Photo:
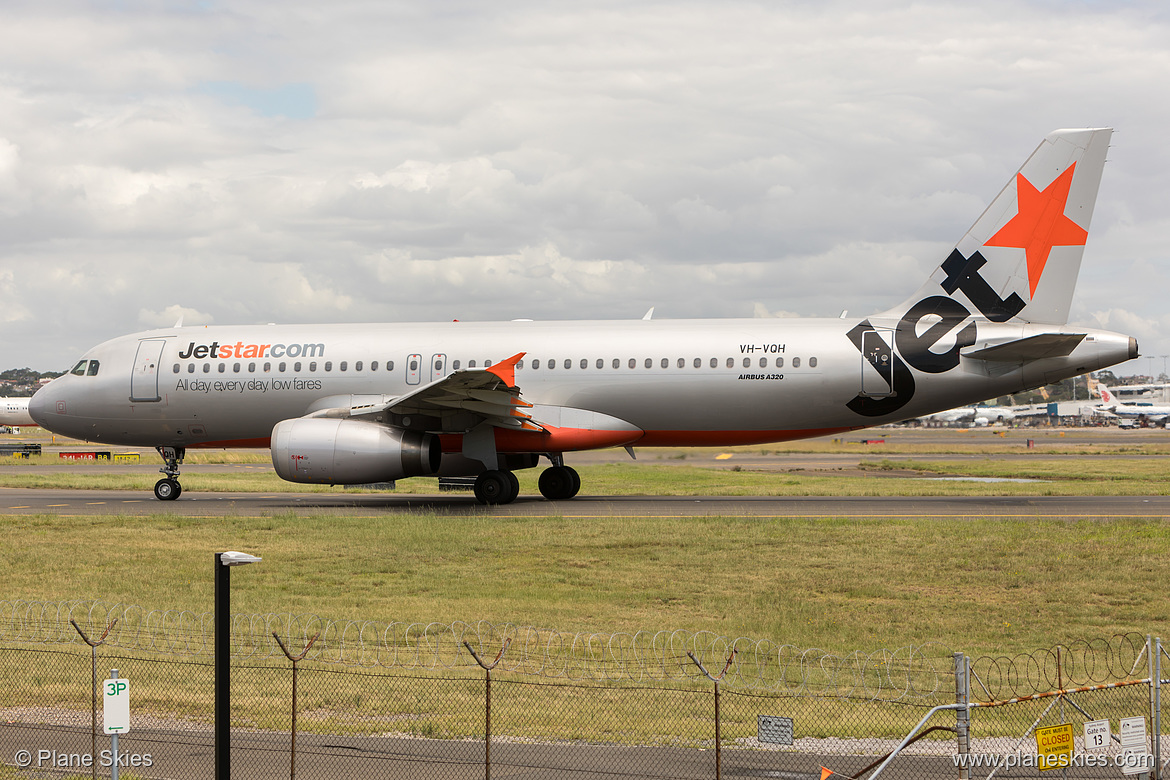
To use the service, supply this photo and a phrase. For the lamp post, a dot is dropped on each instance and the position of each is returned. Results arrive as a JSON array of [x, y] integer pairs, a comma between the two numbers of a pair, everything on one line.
[[223, 647]]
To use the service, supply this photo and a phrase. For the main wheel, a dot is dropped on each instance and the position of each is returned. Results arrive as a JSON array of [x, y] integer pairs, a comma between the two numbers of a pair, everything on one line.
[[558, 483], [167, 489], [496, 487]]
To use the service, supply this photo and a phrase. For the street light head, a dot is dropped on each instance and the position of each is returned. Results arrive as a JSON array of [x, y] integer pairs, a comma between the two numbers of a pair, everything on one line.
[[233, 558]]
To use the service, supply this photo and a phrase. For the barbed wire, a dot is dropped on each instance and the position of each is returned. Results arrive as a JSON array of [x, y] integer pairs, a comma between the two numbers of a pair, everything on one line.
[[1078, 663], [916, 673]]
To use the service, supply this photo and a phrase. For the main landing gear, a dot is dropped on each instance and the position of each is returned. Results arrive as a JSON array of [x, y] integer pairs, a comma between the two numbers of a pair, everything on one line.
[[559, 483], [499, 486], [168, 488], [496, 487]]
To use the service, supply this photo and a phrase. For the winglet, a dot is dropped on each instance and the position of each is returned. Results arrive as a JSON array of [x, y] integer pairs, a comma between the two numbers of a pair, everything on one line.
[[506, 369]]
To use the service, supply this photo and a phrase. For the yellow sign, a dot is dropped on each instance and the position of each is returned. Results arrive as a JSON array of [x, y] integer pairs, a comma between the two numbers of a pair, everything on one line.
[[1054, 746]]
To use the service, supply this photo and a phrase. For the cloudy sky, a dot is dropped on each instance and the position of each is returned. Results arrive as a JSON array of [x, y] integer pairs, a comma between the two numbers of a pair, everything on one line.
[[366, 160]]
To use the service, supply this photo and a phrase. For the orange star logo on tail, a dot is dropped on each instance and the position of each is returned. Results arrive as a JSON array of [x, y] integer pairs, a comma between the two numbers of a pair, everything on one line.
[[1040, 224]]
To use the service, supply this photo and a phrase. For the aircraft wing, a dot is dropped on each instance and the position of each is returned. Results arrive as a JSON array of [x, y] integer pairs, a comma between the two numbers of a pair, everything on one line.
[[456, 403]]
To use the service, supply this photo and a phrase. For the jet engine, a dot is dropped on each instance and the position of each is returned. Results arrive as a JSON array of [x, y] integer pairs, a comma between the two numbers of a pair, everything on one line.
[[350, 452]]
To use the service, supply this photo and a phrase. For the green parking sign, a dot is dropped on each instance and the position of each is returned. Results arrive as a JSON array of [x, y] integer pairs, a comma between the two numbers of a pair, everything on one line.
[[116, 705]]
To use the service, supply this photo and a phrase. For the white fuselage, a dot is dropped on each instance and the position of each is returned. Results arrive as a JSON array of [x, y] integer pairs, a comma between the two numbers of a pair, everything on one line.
[[14, 411], [678, 382]]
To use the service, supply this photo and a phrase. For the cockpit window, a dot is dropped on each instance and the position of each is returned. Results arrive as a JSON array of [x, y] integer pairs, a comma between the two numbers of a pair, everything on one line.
[[93, 368], [79, 369]]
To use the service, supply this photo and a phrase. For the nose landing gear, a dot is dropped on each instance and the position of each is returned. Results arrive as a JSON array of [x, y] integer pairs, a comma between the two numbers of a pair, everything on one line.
[[168, 488]]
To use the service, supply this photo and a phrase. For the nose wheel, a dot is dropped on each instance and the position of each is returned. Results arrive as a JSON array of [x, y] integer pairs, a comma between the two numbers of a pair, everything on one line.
[[168, 488]]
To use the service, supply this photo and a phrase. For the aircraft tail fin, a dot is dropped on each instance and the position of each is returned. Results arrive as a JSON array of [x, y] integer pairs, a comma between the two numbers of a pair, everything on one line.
[[1107, 396], [1021, 258]]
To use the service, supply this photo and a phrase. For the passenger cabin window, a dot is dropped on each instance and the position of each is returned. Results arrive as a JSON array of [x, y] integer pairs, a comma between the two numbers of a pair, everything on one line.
[[812, 362], [176, 368], [779, 362], [267, 367], [471, 364], [343, 365], [297, 367], [328, 365], [373, 365], [190, 368], [235, 368], [796, 362], [649, 362], [455, 365]]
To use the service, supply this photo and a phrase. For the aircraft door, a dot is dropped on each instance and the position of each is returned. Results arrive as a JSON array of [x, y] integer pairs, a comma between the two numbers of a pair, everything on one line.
[[413, 369], [877, 368], [144, 379], [438, 367]]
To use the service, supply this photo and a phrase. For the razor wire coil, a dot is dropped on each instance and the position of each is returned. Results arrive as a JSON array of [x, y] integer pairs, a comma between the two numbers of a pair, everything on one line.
[[915, 673]]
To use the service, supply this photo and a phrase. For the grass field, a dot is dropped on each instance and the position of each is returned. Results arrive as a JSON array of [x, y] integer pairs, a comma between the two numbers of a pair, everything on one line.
[[977, 584]]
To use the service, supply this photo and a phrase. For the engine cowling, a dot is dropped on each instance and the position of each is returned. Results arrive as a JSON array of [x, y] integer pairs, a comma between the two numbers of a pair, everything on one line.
[[350, 452]]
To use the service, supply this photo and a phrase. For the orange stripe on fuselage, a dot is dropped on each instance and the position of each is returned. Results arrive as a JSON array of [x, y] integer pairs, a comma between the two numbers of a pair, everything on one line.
[[573, 439]]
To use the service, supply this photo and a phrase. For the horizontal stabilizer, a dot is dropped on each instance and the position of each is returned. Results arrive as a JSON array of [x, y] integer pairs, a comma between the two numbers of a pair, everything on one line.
[[1046, 345]]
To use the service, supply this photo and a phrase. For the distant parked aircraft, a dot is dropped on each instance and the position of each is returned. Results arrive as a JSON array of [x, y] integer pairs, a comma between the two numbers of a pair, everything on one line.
[[1110, 403], [14, 411]]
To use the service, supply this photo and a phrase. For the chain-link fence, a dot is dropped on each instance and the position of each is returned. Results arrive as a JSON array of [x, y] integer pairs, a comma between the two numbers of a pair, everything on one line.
[[394, 700]]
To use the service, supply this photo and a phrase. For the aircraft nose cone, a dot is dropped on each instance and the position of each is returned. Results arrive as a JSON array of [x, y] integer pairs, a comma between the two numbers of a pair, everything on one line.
[[39, 406]]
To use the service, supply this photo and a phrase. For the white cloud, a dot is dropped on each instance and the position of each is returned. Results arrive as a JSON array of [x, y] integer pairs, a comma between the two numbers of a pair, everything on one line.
[[492, 161]]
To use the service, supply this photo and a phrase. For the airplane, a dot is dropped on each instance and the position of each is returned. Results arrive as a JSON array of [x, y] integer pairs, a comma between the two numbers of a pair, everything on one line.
[[979, 415], [359, 404], [14, 411], [1110, 403]]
